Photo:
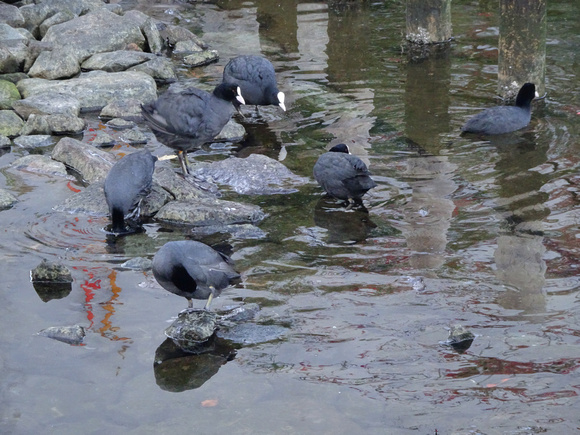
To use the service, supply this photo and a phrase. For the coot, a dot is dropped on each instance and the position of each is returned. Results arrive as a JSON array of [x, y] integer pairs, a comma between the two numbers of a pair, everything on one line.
[[256, 77], [193, 270], [186, 119], [343, 175], [504, 119], [128, 181]]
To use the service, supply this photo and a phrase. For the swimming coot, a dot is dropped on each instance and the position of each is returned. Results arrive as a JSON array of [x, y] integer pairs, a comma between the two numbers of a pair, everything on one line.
[[128, 181], [504, 119], [193, 270], [256, 77], [343, 175], [186, 119]]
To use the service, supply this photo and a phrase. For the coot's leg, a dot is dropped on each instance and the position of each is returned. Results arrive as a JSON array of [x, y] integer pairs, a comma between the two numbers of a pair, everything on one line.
[[183, 161]]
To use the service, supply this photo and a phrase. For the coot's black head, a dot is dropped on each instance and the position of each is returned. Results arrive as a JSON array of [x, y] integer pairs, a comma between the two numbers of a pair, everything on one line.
[[525, 95], [340, 148], [229, 92]]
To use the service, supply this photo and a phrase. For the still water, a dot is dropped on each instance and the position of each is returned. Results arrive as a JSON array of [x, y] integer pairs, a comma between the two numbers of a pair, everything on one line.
[[459, 230]]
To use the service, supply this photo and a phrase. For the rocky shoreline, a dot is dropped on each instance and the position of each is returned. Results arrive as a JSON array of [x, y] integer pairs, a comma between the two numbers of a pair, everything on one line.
[[64, 60]]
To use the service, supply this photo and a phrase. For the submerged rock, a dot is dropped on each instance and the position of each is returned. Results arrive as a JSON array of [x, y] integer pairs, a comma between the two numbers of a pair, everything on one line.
[[251, 333], [7, 200], [254, 175], [67, 334], [40, 164]]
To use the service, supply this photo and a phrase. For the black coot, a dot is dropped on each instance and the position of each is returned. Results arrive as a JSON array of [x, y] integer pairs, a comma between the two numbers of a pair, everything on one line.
[[184, 120], [343, 175], [193, 270], [504, 119], [256, 77], [128, 181]]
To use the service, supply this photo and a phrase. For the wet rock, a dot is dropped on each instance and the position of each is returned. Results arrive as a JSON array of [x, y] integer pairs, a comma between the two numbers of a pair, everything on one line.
[[96, 89], [96, 32], [55, 64], [48, 104], [90, 201], [10, 123], [459, 338], [187, 47], [174, 34], [210, 211], [241, 231], [7, 200], [201, 58], [153, 202], [160, 68], [34, 141], [181, 188], [99, 138], [91, 163], [241, 313], [251, 333], [254, 175], [133, 137], [120, 123], [40, 164], [8, 94], [53, 124], [13, 77], [67, 334], [232, 131], [191, 328], [59, 17], [9, 62], [115, 61], [4, 142], [10, 15], [137, 263], [123, 109], [49, 271]]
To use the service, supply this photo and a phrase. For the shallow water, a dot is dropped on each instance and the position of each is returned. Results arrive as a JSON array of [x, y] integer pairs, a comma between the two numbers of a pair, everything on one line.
[[460, 230]]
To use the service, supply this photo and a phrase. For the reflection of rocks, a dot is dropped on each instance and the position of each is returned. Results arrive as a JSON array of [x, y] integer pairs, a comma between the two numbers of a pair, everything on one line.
[[51, 280], [342, 225], [520, 265], [177, 371]]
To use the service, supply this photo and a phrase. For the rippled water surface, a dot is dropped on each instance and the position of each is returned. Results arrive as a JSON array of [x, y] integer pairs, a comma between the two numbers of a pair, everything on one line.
[[459, 230]]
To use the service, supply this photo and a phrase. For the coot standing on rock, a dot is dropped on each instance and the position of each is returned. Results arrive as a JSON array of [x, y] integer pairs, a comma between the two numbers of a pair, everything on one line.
[[256, 77], [343, 175], [186, 119], [127, 183], [193, 270], [504, 119]]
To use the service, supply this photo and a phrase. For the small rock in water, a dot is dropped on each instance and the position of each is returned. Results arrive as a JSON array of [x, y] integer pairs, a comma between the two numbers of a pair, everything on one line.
[[137, 263], [459, 338], [67, 334], [192, 328], [240, 313], [48, 271]]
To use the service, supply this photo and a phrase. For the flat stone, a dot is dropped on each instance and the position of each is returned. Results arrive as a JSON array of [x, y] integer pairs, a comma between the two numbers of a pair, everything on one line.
[[115, 61], [40, 164], [255, 175], [34, 141], [209, 211], [125, 109], [8, 94], [10, 123], [59, 17], [133, 137], [160, 68], [181, 188], [173, 34], [201, 58], [90, 201], [48, 104], [232, 131], [99, 138], [120, 124], [96, 89], [90, 162], [188, 46]]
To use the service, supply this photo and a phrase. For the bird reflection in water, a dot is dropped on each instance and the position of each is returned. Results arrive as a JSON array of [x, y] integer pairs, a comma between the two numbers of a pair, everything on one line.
[[344, 226]]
